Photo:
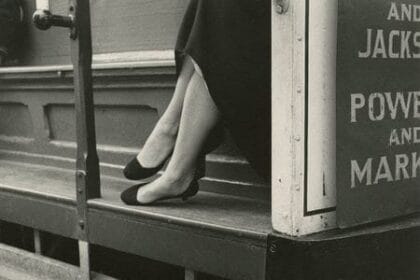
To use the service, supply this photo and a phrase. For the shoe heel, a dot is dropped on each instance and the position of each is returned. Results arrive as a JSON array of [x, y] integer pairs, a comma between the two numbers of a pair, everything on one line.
[[201, 167], [191, 191], [216, 138]]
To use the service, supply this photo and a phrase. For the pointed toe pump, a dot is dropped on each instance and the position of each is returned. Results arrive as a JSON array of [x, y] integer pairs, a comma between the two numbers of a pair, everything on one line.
[[129, 196], [135, 171]]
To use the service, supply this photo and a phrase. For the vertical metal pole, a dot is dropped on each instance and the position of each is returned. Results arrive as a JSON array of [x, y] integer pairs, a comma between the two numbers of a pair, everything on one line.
[[87, 162]]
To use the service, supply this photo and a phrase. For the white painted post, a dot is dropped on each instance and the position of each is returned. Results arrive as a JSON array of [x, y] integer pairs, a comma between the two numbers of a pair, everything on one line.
[[43, 5], [37, 242], [303, 124], [84, 259], [190, 274], [283, 156]]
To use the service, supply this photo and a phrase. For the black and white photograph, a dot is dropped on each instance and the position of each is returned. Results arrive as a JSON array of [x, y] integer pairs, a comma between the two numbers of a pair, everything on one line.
[[210, 139]]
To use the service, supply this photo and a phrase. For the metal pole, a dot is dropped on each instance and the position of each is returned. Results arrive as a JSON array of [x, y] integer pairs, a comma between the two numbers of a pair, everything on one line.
[[87, 163]]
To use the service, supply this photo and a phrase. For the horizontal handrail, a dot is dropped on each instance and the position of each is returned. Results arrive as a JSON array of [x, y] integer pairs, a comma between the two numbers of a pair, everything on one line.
[[142, 59]]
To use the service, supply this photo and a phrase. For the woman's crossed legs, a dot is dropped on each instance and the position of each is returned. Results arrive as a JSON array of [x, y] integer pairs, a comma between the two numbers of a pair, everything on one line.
[[183, 128]]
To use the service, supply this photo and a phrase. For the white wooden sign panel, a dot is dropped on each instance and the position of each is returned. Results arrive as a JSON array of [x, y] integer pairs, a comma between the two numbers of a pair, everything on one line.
[[321, 116]]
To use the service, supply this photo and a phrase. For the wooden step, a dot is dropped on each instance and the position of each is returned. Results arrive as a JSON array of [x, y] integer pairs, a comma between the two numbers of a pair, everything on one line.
[[17, 264], [217, 234]]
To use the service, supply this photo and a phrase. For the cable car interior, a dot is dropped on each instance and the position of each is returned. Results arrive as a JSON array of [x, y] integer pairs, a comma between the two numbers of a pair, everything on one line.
[[51, 227]]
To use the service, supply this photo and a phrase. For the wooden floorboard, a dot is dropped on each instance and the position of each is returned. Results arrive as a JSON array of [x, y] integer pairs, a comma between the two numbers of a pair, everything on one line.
[[240, 214], [17, 264], [211, 230]]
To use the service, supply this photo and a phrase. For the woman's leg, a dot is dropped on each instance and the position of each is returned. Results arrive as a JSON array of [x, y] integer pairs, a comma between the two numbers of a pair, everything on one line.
[[161, 141], [199, 116]]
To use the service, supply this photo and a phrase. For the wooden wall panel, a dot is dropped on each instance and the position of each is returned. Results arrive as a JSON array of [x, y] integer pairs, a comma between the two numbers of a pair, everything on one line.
[[117, 26], [128, 103], [15, 120], [123, 125]]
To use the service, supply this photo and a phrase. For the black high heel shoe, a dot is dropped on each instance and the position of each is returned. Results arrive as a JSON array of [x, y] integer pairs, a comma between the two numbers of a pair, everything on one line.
[[129, 196], [135, 171]]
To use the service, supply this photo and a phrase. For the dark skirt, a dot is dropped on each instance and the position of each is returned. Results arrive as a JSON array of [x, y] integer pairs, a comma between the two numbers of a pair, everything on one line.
[[230, 42]]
